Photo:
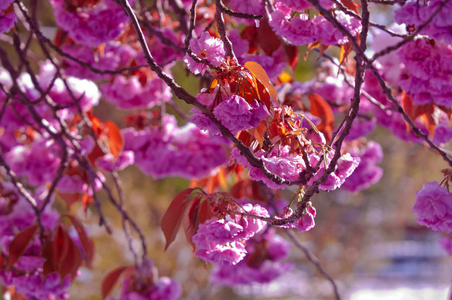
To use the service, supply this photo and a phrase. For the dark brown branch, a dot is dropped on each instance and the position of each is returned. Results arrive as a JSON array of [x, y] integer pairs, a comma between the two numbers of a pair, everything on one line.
[[221, 29]]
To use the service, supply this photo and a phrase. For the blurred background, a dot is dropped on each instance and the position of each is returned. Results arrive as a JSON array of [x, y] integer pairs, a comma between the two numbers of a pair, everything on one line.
[[369, 242]]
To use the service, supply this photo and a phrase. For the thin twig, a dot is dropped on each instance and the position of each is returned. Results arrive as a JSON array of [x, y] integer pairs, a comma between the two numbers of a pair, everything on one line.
[[314, 260]]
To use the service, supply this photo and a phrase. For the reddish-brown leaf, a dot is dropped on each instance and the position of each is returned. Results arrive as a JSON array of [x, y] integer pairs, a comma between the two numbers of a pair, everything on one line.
[[69, 198], [62, 255], [87, 243], [267, 39], [321, 109], [172, 218], [249, 189], [260, 74], [19, 244], [250, 34], [191, 220], [292, 56], [110, 280], [115, 139]]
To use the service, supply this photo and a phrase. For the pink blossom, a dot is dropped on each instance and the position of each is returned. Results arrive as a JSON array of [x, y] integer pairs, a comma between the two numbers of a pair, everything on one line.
[[218, 242], [113, 56], [446, 243], [205, 47], [94, 25], [306, 222], [270, 245], [109, 163], [367, 173], [223, 241], [129, 93], [433, 207], [236, 114], [172, 151], [6, 20], [285, 165]]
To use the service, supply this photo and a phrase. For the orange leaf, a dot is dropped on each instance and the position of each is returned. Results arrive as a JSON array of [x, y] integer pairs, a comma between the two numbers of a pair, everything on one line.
[[321, 109], [259, 72], [115, 140], [172, 218], [310, 47], [86, 201], [110, 280], [19, 244], [351, 5]]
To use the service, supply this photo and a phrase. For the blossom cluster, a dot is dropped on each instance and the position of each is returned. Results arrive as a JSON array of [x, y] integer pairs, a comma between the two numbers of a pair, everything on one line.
[[143, 284], [169, 150], [427, 72], [263, 263], [433, 207], [303, 30], [27, 274], [222, 241], [415, 14]]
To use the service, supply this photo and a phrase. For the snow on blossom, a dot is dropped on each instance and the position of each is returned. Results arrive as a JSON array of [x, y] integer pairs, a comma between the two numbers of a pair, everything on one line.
[[205, 47], [433, 207]]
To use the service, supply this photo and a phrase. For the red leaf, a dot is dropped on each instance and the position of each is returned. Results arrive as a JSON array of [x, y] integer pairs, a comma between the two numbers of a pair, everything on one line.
[[110, 280], [19, 244], [69, 198], [260, 74], [115, 140], [320, 108], [292, 56], [250, 34], [267, 39], [87, 243], [249, 189], [191, 220], [62, 255], [172, 218]]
